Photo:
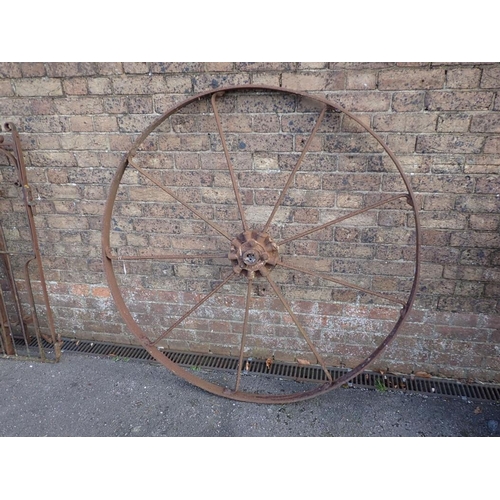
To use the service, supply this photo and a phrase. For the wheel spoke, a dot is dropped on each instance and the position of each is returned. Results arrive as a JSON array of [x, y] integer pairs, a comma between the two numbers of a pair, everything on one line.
[[111, 256], [277, 291], [244, 332], [344, 217], [183, 203], [297, 166], [196, 306], [229, 164], [342, 282]]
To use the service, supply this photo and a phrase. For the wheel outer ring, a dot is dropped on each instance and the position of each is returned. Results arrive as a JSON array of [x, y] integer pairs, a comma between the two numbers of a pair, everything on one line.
[[157, 353]]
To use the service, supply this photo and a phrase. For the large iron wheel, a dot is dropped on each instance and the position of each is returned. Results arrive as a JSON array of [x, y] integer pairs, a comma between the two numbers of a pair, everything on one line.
[[253, 246]]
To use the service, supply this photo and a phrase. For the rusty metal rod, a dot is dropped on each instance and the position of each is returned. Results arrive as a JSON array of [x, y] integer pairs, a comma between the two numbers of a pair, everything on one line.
[[34, 316], [297, 166], [344, 217], [27, 197], [229, 163], [13, 287], [283, 300], [111, 256], [193, 309], [2, 347], [244, 333], [8, 345], [177, 198], [341, 282]]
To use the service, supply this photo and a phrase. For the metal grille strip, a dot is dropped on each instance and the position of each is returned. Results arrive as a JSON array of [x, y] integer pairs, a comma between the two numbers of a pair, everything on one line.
[[311, 373]]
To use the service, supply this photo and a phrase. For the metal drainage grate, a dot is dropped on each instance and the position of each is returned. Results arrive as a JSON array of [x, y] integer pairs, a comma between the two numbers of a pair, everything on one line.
[[435, 386]]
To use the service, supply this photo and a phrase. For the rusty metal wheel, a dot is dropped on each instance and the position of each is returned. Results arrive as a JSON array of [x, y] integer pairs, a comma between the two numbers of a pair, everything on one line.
[[261, 223]]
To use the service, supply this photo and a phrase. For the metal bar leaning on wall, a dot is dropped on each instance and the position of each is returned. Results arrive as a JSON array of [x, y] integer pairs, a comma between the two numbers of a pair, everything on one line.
[[17, 160]]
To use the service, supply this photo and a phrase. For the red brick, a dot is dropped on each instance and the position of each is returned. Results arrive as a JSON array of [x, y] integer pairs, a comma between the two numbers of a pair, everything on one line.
[[492, 145], [115, 105], [267, 66], [455, 352], [361, 80], [45, 124], [351, 143], [191, 67], [184, 142], [408, 101], [217, 66], [271, 79], [6, 88], [99, 85], [486, 123], [490, 184], [314, 80], [476, 257], [10, 70], [42, 106], [443, 183], [134, 123], [67, 69], [362, 101], [449, 143], [484, 222], [100, 291], [79, 106], [351, 125], [496, 105], [38, 87], [482, 169], [206, 81], [30, 70], [446, 255], [492, 290], [433, 237], [139, 84], [453, 122], [458, 100], [401, 144], [439, 202], [75, 86], [82, 124], [360, 65], [478, 203], [84, 142], [136, 67], [470, 289], [404, 79], [405, 122], [44, 141], [490, 77], [120, 142], [475, 239], [109, 68], [463, 78], [105, 124]]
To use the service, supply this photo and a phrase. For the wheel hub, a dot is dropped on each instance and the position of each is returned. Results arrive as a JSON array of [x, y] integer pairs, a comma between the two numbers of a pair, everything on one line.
[[252, 252]]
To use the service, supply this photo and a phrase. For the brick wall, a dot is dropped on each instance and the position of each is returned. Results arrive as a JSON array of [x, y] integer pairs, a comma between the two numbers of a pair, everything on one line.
[[442, 121]]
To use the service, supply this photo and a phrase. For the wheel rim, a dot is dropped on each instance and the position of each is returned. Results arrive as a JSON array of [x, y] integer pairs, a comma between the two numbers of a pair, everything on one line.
[[253, 254]]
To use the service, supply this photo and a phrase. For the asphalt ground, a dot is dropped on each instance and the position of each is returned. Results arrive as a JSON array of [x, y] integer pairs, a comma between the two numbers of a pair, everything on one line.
[[83, 403], [91, 396]]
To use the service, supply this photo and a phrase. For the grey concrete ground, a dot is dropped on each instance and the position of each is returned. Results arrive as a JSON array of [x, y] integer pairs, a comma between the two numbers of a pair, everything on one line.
[[91, 396]]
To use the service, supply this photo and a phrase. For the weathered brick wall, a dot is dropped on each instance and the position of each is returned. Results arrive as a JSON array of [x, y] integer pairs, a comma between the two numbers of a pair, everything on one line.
[[442, 121]]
